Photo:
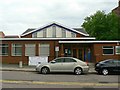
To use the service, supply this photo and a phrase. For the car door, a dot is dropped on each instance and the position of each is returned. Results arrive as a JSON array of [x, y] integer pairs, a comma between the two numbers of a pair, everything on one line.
[[119, 66], [111, 66], [117, 62], [69, 64], [57, 65]]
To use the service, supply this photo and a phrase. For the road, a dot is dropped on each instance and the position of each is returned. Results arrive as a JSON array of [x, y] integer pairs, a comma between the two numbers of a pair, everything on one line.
[[17, 79]]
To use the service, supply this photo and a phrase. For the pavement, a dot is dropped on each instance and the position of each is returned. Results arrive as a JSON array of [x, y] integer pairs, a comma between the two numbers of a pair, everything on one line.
[[27, 68]]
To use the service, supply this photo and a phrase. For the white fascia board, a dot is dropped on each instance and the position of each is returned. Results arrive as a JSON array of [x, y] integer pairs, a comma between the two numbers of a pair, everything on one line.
[[83, 38], [57, 24], [89, 41]]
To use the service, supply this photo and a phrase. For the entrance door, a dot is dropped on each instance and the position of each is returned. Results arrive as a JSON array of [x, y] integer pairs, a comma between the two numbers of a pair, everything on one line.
[[75, 53], [80, 54]]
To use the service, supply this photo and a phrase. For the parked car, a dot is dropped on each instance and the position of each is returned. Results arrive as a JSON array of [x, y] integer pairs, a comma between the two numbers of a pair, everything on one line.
[[108, 66], [63, 64]]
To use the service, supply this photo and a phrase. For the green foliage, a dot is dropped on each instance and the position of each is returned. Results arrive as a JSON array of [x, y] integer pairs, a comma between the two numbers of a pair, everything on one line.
[[103, 26]]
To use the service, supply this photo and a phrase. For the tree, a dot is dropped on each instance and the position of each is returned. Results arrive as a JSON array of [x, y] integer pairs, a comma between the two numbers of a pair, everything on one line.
[[103, 26]]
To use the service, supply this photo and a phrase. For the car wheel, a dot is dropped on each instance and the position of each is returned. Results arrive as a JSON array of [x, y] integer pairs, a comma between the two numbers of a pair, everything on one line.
[[105, 71], [45, 70], [78, 71]]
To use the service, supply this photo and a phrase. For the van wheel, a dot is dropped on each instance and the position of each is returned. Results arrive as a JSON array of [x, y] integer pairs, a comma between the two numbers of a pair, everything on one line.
[[45, 70], [105, 71], [78, 71]]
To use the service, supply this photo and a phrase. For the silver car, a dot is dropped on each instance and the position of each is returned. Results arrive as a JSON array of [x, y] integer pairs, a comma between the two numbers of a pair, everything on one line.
[[63, 64]]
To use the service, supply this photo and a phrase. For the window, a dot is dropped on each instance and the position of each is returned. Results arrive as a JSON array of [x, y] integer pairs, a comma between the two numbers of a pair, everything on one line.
[[44, 33], [54, 31], [3, 49], [59, 60], [108, 50], [72, 34], [117, 49], [34, 35], [69, 60], [16, 49], [44, 49], [116, 62], [29, 49], [63, 33]]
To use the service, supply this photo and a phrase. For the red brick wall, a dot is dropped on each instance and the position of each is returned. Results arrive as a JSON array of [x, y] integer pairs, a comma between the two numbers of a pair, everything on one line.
[[16, 59], [27, 36], [98, 52]]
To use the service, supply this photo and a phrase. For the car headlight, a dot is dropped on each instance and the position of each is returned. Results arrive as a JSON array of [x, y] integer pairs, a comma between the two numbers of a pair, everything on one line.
[[98, 65]]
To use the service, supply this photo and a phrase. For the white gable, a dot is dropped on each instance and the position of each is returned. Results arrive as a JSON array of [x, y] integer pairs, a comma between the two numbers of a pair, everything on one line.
[[54, 31], [58, 30]]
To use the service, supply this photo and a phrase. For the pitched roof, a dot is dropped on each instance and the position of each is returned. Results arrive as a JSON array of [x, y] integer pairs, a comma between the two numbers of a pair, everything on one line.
[[77, 30], [28, 30], [117, 9], [81, 30], [12, 36]]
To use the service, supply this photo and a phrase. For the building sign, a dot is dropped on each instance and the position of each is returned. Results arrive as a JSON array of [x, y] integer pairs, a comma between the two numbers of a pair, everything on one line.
[[33, 61], [57, 48]]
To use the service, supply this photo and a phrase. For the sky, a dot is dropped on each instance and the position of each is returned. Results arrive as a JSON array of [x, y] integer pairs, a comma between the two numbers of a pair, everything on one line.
[[16, 16]]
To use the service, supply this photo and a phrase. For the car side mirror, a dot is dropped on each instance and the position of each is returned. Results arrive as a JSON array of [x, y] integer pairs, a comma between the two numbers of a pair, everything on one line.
[[53, 61]]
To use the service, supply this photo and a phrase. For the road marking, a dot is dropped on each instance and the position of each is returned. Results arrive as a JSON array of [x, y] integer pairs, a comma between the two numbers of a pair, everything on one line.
[[59, 83]]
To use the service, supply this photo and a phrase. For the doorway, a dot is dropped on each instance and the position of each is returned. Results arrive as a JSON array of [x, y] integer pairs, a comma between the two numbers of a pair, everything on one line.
[[77, 53]]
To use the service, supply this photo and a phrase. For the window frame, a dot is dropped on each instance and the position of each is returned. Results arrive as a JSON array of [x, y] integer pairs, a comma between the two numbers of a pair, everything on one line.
[[34, 35], [33, 46], [116, 47], [48, 54], [44, 33], [1, 52], [63, 33], [13, 48], [54, 31], [103, 48], [73, 35]]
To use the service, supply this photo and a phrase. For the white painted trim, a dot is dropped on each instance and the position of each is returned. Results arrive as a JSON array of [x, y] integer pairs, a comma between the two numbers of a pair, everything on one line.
[[89, 41], [57, 24], [82, 38], [108, 48]]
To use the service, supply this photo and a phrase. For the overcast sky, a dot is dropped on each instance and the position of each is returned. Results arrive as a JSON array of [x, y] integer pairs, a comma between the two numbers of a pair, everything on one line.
[[16, 16]]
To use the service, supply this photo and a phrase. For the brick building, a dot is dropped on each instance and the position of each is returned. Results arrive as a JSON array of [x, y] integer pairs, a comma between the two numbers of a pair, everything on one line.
[[57, 40], [117, 9]]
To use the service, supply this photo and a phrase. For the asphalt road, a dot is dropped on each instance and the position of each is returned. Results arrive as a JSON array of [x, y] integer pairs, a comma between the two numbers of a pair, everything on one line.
[[17, 79]]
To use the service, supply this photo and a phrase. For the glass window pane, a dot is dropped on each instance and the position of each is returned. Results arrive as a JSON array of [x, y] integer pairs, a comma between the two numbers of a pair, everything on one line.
[[44, 49], [117, 50], [54, 31], [16, 49], [44, 33], [29, 49], [4, 49], [108, 50], [63, 33], [59, 60]]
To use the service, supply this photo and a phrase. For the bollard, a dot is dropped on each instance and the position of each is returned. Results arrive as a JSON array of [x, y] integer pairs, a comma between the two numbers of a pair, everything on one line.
[[20, 64]]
